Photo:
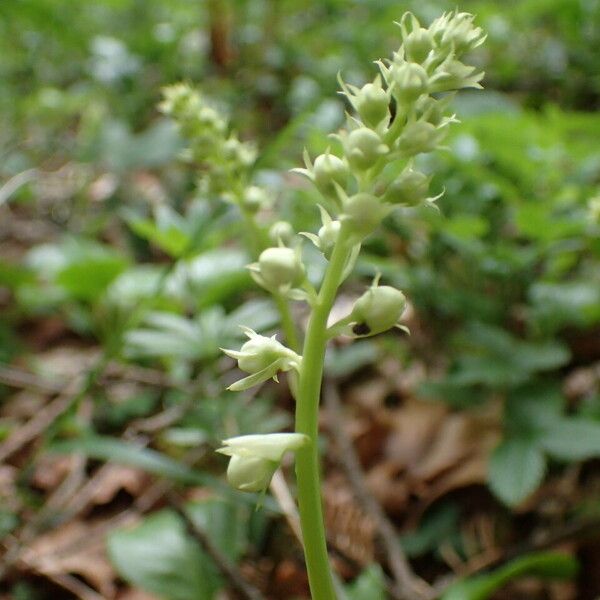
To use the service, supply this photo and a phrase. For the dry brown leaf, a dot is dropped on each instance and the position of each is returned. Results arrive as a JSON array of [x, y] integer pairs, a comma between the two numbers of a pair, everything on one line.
[[349, 528], [50, 470], [71, 550], [135, 594], [22, 405], [113, 478]]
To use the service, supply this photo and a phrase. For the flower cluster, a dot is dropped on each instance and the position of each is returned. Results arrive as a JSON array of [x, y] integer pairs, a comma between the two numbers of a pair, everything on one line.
[[223, 159], [396, 117]]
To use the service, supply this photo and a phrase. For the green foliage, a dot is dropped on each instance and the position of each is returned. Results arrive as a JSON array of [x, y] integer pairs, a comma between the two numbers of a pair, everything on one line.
[[160, 557], [369, 585], [112, 237], [544, 565], [537, 429]]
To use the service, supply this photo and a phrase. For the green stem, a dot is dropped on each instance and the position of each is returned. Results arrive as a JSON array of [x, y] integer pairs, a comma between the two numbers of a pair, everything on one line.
[[307, 413]]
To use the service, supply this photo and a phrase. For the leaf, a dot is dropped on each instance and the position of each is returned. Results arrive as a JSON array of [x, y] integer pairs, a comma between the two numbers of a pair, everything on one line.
[[547, 565], [171, 240], [435, 528], [112, 449], [115, 450], [516, 469], [572, 439], [369, 585], [161, 558]]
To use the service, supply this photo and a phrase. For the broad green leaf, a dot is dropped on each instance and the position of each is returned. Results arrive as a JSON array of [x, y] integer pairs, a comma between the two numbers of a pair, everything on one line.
[[88, 278], [546, 565], [572, 439], [516, 469], [160, 557]]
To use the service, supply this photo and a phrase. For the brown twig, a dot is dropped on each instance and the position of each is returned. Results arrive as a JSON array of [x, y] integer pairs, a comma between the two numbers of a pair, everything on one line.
[[410, 585], [229, 569], [41, 420]]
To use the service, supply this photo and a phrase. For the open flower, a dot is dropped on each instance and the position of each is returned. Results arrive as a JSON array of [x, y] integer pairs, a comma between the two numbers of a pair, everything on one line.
[[263, 357], [254, 458]]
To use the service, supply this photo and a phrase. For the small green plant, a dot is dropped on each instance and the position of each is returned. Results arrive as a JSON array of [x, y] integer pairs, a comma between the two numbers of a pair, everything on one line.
[[367, 172]]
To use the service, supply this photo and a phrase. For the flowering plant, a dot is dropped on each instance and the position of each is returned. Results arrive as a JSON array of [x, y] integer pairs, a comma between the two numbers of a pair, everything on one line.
[[402, 113]]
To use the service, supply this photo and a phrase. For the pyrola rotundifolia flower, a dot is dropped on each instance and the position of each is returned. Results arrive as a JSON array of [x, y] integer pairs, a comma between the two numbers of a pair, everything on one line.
[[254, 458], [377, 310], [263, 357], [278, 269]]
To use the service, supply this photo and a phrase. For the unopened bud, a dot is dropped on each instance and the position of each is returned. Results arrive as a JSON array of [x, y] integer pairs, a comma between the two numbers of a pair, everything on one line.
[[363, 212], [255, 198], [419, 137], [327, 170], [372, 103], [363, 148], [278, 268], [409, 188], [410, 80], [281, 232], [377, 310]]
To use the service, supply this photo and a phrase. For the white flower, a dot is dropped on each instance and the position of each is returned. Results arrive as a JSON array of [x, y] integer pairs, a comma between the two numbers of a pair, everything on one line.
[[263, 357], [254, 458]]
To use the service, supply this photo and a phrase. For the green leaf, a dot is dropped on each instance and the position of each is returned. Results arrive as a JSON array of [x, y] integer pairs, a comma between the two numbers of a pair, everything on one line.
[[115, 450], [436, 527], [369, 585], [572, 439], [160, 557], [516, 469], [546, 565]]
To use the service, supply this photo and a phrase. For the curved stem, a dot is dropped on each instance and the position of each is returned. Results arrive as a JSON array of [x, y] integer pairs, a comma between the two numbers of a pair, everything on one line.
[[307, 412]]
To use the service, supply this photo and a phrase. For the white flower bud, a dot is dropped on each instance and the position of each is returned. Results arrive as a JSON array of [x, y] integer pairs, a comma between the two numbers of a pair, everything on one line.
[[281, 232], [255, 198], [454, 32], [377, 310], [417, 41], [259, 352], [363, 212], [263, 357], [278, 269], [372, 103], [410, 80], [419, 137], [327, 170], [241, 153], [409, 188], [363, 148], [454, 75], [254, 458], [327, 235], [250, 473]]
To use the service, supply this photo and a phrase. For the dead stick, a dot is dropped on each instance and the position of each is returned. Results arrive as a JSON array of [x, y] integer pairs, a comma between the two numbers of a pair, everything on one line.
[[410, 585]]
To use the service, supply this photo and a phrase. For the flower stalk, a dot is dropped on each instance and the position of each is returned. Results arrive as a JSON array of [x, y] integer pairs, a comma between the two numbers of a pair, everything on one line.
[[396, 117]]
